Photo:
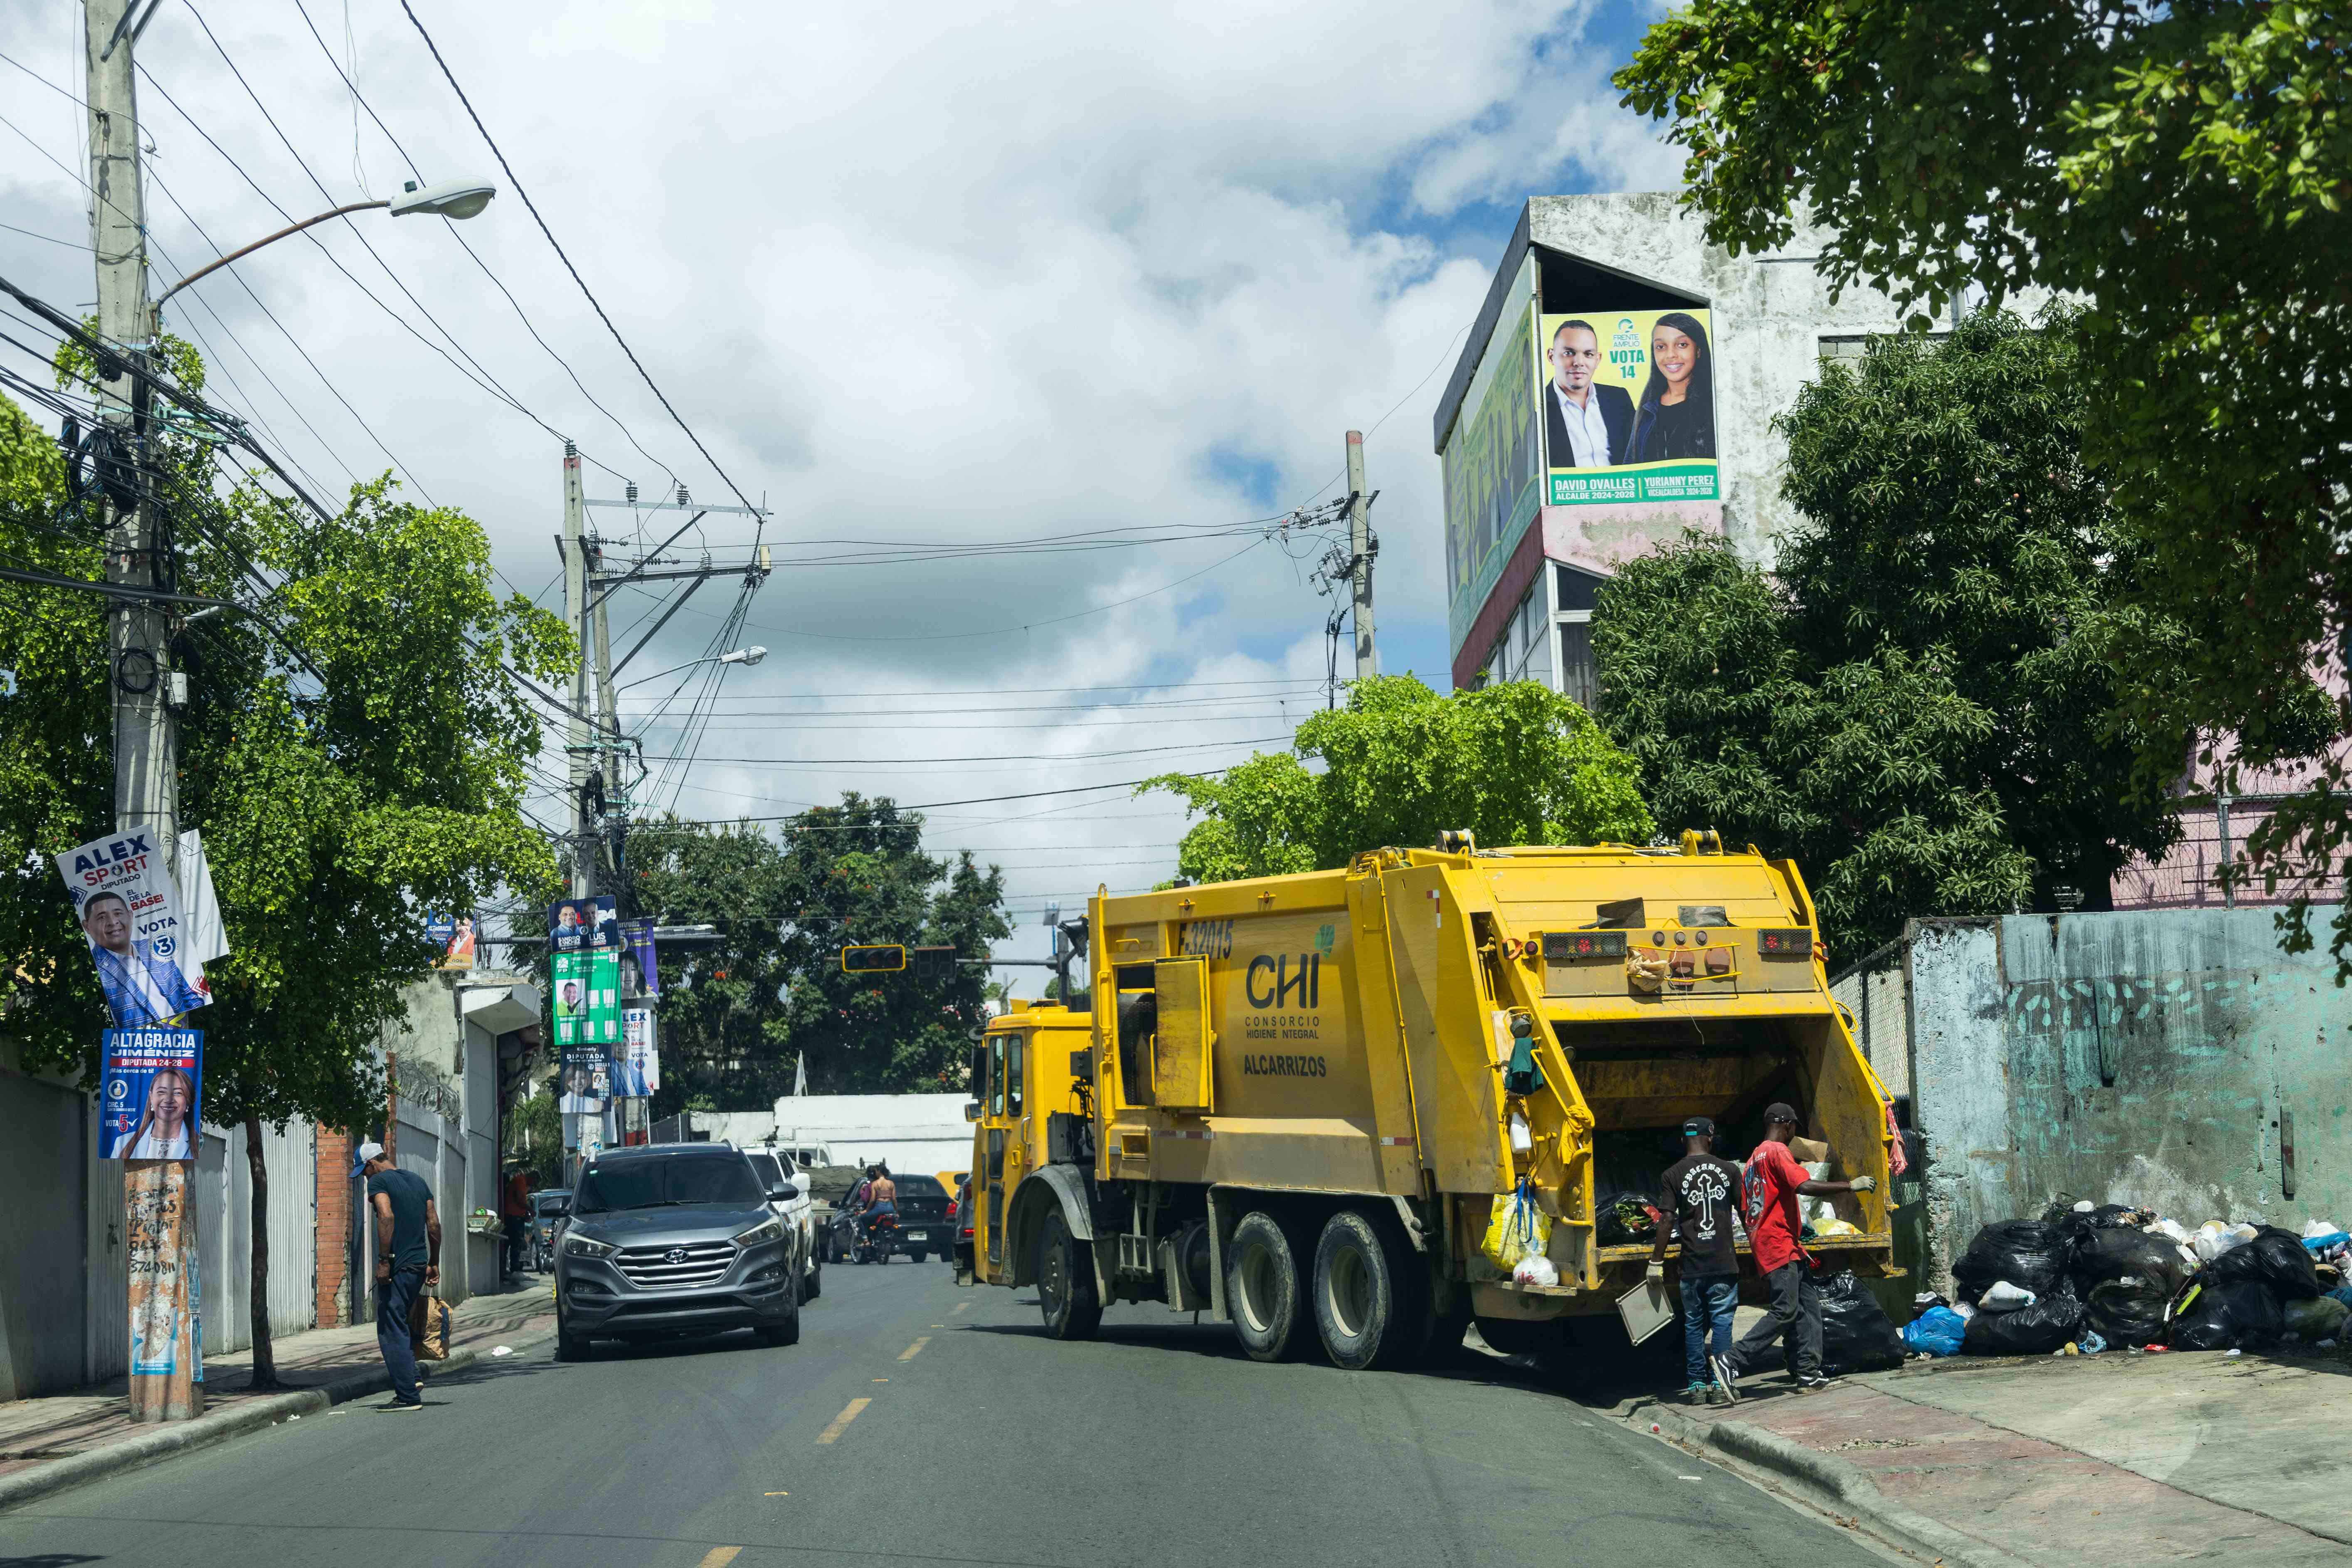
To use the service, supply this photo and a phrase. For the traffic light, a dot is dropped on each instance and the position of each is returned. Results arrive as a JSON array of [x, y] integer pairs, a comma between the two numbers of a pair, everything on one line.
[[933, 963], [873, 960]]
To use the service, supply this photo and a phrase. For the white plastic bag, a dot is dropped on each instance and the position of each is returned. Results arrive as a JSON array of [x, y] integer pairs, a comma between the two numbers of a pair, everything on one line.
[[2214, 1238], [1535, 1269], [2003, 1297], [1815, 1210], [2311, 1227], [2085, 1206], [2170, 1229], [1964, 1310]]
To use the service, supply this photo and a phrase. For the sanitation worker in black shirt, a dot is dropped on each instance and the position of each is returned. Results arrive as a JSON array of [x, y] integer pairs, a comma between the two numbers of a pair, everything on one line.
[[1705, 1193]]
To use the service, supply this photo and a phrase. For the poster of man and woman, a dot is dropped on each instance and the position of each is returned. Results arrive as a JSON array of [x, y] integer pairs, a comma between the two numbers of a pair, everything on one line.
[[1629, 408]]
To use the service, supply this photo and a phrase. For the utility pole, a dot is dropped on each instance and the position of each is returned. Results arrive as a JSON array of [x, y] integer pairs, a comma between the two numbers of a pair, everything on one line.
[[1362, 548], [575, 611], [160, 1224]]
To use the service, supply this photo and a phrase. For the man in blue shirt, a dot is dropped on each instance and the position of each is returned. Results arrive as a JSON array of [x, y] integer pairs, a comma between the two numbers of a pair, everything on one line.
[[407, 1260], [141, 986]]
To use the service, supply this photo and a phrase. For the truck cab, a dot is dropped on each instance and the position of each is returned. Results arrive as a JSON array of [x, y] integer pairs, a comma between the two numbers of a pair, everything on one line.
[[1031, 1079]]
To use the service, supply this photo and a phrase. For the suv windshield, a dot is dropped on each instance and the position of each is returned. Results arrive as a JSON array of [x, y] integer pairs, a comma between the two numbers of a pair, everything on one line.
[[664, 1182], [765, 1165]]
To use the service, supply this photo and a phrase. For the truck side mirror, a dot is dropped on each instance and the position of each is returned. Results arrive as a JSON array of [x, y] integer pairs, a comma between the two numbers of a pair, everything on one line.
[[972, 1110]]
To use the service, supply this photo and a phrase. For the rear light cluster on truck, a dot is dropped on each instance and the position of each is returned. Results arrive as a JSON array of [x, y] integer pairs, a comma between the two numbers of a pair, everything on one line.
[[1558, 946], [1796, 944]]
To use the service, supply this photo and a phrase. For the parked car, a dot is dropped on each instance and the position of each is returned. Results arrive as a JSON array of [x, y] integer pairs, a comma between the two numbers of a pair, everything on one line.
[[546, 1222], [775, 1166], [674, 1238]]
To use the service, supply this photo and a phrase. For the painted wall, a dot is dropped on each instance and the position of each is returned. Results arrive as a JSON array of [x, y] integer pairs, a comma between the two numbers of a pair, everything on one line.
[[42, 1285], [2151, 1056]]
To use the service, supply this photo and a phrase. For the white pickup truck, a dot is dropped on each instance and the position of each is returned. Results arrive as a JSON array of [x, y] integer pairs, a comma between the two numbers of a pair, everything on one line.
[[778, 1165]]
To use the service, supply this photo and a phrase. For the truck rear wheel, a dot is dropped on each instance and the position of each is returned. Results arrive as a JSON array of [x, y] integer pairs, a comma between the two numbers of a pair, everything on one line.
[[1066, 1280], [1369, 1303], [1265, 1288]]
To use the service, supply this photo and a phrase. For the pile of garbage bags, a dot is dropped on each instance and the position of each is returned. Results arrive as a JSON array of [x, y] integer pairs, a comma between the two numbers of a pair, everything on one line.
[[2091, 1277]]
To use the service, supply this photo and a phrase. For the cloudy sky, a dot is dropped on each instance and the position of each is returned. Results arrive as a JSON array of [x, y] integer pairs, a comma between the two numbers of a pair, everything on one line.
[[921, 278]]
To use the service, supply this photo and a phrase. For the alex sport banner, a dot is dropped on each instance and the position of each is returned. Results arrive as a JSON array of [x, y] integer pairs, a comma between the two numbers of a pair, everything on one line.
[[640, 1060], [149, 1097], [125, 902], [1627, 407]]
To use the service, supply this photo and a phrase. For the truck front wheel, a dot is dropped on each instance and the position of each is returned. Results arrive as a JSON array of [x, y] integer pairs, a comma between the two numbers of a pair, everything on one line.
[[1264, 1290], [1066, 1280], [1369, 1302]]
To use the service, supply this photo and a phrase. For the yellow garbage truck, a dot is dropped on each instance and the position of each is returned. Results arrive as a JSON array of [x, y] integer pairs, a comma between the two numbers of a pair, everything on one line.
[[1299, 1103]]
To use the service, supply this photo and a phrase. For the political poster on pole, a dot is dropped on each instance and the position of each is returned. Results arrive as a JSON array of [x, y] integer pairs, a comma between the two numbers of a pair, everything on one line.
[[640, 1056], [638, 935], [583, 925], [150, 1099], [127, 907]]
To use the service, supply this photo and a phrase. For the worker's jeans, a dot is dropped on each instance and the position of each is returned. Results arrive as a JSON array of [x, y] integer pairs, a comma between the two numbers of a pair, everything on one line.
[[1795, 1320], [1708, 1302], [395, 1299]]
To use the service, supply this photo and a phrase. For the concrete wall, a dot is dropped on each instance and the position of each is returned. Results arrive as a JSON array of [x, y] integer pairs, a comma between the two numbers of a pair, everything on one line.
[[2150, 1057], [43, 1283]]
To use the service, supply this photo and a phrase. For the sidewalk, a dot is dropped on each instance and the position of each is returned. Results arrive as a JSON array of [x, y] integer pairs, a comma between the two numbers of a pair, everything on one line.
[[70, 1437], [2062, 1461]]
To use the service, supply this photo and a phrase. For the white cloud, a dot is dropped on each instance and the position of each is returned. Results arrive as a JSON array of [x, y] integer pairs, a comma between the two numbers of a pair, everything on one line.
[[915, 273]]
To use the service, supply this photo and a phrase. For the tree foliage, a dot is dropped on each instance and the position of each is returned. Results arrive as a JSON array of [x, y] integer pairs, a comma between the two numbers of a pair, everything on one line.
[[2185, 168], [1917, 705], [736, 1020], [1515, 764], [349, 758]]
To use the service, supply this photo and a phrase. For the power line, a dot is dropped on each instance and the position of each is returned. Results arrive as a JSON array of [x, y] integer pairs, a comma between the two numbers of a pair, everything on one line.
[[358, 97], [995, 757], [986, 799], [586, 292]]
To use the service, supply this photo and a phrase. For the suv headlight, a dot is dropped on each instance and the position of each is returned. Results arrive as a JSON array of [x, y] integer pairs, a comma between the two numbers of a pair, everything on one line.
[[768, 1230], [578, 1246]]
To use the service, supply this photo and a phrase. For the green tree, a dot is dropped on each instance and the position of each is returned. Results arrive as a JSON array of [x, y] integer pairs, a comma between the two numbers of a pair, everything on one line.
[[351, 760], [1515, 764], [2185, 168], [1916, 706], [736, 1019]]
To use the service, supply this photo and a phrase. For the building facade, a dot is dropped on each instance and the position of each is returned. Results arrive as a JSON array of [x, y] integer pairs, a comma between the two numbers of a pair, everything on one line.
[[1619, 388]]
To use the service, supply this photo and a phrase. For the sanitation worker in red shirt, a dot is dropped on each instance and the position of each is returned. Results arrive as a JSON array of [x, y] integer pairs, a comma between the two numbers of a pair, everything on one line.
[[1774, 1182]]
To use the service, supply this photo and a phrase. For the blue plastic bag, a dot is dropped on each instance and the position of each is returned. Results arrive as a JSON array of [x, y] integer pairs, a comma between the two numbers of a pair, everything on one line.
[[2317, 1245], [1937, 1332]]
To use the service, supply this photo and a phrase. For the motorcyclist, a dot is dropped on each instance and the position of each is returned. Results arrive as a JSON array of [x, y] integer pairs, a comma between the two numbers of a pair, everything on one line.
[[881, 1194]]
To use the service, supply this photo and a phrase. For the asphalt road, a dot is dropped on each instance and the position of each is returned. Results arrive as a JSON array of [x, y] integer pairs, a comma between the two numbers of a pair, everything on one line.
[[916, 1423]]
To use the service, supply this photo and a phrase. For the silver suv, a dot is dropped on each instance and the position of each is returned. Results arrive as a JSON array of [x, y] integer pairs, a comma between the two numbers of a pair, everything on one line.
[[675, 1239]]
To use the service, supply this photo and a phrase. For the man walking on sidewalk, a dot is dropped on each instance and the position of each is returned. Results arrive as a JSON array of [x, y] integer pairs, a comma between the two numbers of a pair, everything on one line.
[[1705, 1193], [514, 1208], [1775, 1180], [407, 1260]]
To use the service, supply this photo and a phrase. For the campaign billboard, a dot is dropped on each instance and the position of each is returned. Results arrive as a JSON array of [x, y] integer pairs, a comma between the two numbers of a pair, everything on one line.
[[454, 936], [150, 1096], [640, 1060], [1628, 400], [1493, 465], [128, 907], [581, 925], [638, 937]]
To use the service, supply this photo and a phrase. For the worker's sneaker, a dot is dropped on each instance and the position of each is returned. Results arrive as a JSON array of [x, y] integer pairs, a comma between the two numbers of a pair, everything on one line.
[[1812, 1384], [1696, 1394], [1726, 1382], [1715, 1395]]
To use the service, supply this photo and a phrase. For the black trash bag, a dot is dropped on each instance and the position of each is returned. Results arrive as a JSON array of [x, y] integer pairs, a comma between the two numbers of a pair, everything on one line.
[[2037, 1330], [2124, 1279], [1856, 1333], [2274, 1258], [2027, 1253], [2230, 1314]]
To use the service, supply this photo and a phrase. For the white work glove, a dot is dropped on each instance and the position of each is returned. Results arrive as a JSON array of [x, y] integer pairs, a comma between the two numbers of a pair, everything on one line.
[[1865, 1183], [1658, 1270]]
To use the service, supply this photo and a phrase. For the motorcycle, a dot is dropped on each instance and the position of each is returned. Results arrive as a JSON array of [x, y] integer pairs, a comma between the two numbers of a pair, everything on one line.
[[877, 1239]]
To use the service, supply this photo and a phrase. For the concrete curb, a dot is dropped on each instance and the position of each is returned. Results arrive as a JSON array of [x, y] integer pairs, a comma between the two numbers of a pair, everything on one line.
[[159, 1443], [1828, 1483]]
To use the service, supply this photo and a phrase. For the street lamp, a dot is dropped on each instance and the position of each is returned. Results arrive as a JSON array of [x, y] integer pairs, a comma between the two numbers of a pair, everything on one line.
[[734, 656], [450, 199]]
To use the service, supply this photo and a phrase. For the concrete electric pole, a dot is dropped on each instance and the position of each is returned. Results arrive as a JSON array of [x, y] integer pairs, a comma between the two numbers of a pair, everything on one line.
[[575, 612], [1362, 549], [160, 1222]]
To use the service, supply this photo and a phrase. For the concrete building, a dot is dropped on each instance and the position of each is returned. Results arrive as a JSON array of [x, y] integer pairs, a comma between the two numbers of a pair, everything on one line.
[[1529, 537], [924, 1133]]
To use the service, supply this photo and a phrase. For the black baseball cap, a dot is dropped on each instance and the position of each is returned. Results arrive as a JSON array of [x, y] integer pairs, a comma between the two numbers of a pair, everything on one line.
[[1781, 1111], [1699, 1127]]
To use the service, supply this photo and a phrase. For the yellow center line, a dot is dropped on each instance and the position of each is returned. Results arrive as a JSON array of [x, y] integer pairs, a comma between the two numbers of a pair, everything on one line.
[[831, 1434], [719, 1556], [959, 1306], [912, 1350]]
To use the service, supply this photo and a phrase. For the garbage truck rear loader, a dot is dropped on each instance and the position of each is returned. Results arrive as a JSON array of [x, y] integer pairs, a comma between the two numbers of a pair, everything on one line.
[[1297, 1100]]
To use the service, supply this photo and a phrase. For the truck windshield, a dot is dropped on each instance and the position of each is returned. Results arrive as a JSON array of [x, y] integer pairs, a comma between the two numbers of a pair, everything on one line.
[[660, 1183]]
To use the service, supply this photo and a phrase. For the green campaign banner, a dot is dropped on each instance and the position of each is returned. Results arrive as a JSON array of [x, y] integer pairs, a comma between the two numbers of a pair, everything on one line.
[[586, 987]]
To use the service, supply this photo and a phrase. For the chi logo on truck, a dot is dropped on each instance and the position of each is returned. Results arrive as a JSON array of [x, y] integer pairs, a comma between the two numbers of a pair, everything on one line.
[[1272, 982]]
